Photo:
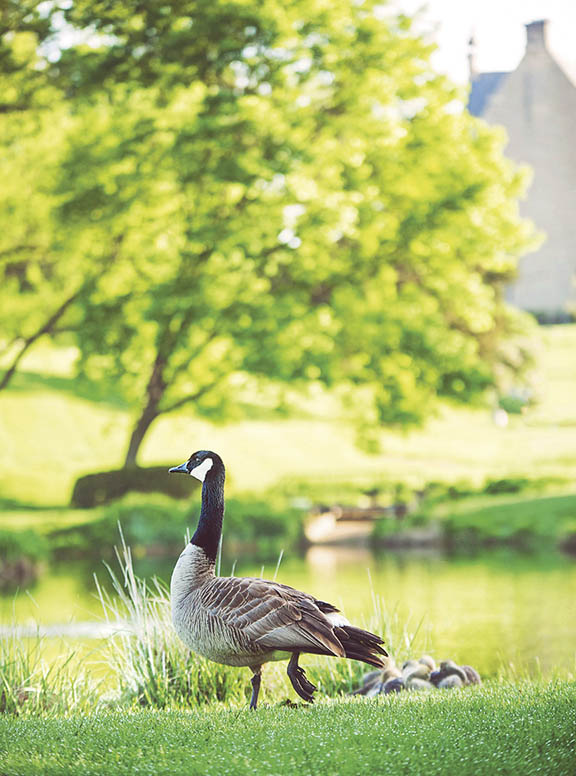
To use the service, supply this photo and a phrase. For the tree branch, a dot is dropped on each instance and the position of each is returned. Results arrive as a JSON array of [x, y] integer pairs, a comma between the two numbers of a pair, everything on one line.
[[46, 328], [187, 399], [49, 325], [18, 249]]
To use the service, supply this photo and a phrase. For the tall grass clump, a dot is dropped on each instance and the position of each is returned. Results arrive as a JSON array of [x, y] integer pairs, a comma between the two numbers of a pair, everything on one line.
[[153, 668], [401, 640], [31, 684]]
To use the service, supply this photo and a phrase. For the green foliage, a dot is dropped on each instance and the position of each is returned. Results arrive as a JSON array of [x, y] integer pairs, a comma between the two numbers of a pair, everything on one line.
[[262, 525], [46, 270], [22, 544], [390, 531], [265, 522], [515, 405], [463, 517], [436, 492], [254, 195], [32, 278], [513, 484], [25, 27], [101, 488], [20, 556]]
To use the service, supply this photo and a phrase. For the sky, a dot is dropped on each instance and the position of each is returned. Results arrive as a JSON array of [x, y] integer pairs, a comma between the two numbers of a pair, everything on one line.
[[498, 29]]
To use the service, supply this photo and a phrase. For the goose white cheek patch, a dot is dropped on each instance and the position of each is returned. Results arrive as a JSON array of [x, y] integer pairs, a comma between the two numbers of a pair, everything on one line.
[[202, 469]]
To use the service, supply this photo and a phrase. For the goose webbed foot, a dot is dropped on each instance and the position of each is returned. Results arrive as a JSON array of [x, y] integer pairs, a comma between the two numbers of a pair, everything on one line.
[[300, 683], [255, 681]]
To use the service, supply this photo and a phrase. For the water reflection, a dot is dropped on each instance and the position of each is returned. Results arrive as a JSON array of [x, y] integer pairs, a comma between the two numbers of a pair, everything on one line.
[[487, 610]]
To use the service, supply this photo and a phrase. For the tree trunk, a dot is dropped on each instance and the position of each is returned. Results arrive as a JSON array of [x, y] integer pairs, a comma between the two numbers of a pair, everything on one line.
[[50, 324], [156, 387], [154, 392], [148, 416]]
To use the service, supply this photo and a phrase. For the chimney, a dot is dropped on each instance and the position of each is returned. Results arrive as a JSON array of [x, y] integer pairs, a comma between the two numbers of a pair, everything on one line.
[[472, 70], [536, 34]]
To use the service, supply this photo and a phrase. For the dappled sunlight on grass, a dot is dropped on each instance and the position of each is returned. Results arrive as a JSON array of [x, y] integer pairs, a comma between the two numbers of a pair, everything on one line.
[[459, 444]]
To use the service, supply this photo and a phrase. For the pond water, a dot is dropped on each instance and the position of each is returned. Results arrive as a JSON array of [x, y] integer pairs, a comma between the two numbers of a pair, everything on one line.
[[490, 610]]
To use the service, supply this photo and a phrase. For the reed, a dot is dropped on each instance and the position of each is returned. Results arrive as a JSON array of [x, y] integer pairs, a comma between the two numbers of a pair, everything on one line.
[[34, 683], [151, 667]]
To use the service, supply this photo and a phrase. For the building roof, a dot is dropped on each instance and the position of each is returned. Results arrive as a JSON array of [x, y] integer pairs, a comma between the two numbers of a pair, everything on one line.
[[483, 87]]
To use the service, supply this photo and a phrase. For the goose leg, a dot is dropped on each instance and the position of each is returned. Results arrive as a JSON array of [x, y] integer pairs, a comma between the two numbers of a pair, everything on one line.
[[256, 679], [300, 683]]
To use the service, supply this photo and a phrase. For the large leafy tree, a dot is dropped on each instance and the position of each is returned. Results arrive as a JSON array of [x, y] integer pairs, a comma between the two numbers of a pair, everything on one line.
[[45, 269], [26, 27], [294, 196]]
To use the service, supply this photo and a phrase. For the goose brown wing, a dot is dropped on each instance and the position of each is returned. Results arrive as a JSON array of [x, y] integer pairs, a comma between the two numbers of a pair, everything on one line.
[[272, 616]]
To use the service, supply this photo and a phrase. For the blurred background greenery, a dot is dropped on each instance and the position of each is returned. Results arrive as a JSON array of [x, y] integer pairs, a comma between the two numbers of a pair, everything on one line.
[[274, 231]]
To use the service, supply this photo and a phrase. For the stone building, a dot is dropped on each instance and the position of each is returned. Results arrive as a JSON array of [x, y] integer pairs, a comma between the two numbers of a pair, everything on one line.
[[536, 103]]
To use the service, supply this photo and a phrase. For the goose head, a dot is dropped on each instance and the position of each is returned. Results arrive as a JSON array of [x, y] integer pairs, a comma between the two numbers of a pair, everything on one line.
[[203, 465]]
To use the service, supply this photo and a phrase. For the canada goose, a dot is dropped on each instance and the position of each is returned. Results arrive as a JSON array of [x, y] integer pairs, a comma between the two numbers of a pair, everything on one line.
[[428, 661], [419, 674], [396, 684], [416, 675], [448, 668], [246, 621], [472, 675]]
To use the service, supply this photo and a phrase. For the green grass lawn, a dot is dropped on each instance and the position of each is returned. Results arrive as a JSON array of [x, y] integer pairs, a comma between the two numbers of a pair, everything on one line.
[[525, 521], [521, 520], [496, 729], [52, 430]]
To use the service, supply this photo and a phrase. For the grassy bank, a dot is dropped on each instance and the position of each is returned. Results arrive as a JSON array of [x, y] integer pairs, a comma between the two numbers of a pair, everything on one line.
[[525, 521], [265, 524], [261, 525], [270, 465], [88, 432], [524, 730]]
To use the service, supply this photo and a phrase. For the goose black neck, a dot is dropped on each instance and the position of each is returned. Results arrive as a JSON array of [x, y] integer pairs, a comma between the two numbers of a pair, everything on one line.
[[209, 530]]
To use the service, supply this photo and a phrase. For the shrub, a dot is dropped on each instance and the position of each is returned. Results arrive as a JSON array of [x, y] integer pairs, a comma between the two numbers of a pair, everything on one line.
[[19, 544], [20, 555], [507, 485], [266, 524], [103, 487]]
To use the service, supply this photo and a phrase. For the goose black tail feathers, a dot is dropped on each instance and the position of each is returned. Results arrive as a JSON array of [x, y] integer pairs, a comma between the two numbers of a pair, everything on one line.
[[362, 645]]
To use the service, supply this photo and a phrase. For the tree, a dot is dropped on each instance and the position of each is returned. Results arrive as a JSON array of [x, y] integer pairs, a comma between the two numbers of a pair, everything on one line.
[[44, 270], [298, 198], [26, 26]]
